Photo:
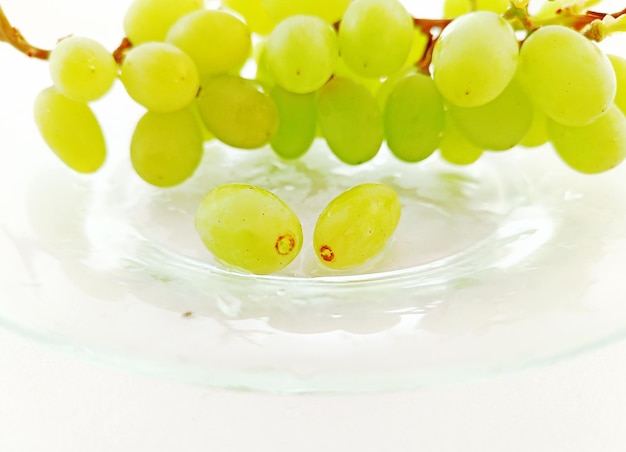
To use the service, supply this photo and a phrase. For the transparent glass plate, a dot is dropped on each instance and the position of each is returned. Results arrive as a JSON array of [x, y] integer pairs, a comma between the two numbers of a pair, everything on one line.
[[512, 262]]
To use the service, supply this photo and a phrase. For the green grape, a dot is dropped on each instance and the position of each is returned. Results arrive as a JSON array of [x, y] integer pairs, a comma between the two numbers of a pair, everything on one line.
[[329, 10], [418, 47], [254, 14], [301, 53], [216, 41], [375, 37], [350, 120], [456, 8], [592, 148], [238, 112], [356, 225], [82, 69], [500, 124], [566, 75], [414, 118], [160, 77], [475, 58], [455, 147], [537, 133], [619, 66], [249, 228], [342, 69], [166, 148], [298, 122], [71, 130], [150, 20]]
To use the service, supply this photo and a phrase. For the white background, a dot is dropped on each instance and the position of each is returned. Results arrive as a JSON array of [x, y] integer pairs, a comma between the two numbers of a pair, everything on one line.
[[51, 402]]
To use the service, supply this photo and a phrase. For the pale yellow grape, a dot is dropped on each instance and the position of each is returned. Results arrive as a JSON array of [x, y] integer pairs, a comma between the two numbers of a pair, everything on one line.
[[455, 147], [249, 228], [475, 58], [593, 148], [500, 124], [343, 70], [414, 118], [567, 76], [297, 122], [150, 20], [329, 10], [350, 120], [238, 111], [216, 41], [160, 76], [301, 53], [71, 130], [619, 66], [418, 47], [82, 69], [455, 8], [537, 133], [166, 148], [375, 37], [356, 225], [254, 13]]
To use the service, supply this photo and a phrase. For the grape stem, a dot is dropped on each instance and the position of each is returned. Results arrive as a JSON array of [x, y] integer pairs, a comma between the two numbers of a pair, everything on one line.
[[13, 36]]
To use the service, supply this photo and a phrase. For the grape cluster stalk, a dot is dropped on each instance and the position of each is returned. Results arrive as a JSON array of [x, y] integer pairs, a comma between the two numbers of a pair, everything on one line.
[[359, 74]]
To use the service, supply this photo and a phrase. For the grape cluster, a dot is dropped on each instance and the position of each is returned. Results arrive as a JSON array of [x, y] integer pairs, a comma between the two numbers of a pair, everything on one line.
[[355, 73]]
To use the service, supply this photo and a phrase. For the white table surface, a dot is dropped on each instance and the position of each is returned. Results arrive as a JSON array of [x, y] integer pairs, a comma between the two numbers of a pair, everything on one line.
[[51, 402]]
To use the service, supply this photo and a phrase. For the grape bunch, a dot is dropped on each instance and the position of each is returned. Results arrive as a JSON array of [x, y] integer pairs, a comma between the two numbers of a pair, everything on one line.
[[358, 74]]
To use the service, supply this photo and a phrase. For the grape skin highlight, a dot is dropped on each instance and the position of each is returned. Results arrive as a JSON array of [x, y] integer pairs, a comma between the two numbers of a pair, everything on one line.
[[475, 58], [375, 37], [238, 111], [71, 130], [166, 148], [567, 76], [150, 20], [356, 225], [329, 10], [160, 77], [216, 41], [82, 69], [249, 228], [301, 53]]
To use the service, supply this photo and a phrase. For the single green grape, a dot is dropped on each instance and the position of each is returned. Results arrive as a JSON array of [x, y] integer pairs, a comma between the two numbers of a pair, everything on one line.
[[216, 41], [566, 75], [160, 76], [254, 14], [414, 118], [238, 112], [297, 123], [500, 124], [456, 8], [301, 53], [150, 20], [375, 37], [475, 58], [350, 120], [455, 147], [619, 66], [329, 10], [593, 148], [82, 69], [249, 228], [356, 225], [166, 148], [71, 130]]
